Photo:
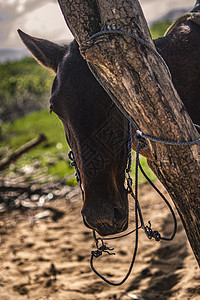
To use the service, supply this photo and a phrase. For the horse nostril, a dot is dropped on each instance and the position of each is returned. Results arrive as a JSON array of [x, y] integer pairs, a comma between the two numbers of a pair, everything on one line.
[[118, 217]]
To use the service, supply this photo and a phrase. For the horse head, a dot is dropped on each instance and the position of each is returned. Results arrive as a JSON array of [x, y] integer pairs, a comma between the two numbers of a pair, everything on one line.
[[95, 130]]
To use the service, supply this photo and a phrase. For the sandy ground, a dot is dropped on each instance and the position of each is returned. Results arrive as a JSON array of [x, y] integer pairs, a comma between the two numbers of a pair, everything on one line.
[[29, 246]]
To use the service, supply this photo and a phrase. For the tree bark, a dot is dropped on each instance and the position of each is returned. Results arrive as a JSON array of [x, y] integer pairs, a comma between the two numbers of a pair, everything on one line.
[[82, 17], [138, 79]]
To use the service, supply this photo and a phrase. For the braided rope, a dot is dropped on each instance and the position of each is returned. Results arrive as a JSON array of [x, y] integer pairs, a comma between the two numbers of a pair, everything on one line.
[[182, 143], [138, 39]]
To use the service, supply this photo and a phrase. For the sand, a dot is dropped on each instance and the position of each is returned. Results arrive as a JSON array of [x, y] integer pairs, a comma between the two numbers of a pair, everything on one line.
[[29, 246]]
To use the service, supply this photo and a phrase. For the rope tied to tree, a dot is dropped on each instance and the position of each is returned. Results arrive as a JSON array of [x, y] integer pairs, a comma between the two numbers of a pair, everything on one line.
[[141, 138], [175, 143], [114, 99]]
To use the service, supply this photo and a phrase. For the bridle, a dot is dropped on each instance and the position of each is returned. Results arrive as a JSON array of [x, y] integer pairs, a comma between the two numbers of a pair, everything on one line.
[[150, 233], [141, 139]]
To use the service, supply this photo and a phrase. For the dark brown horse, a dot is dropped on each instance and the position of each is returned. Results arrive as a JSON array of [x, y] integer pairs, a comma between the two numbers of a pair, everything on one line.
[[96, 130]]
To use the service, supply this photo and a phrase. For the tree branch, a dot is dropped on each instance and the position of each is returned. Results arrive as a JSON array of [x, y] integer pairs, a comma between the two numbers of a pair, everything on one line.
[[86, 25], [25, 148]]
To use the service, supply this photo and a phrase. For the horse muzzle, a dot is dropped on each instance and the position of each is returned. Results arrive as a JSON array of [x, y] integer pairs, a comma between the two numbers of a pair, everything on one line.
[[110, 221]]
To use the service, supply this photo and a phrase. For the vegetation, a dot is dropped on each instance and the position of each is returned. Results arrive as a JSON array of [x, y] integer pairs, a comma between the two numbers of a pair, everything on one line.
[[25, 87], [50, 156], [158, 29]]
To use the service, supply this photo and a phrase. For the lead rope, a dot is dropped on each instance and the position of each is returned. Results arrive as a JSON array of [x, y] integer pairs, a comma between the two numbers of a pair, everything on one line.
[[147, 229], [103, 248], [141, 139]]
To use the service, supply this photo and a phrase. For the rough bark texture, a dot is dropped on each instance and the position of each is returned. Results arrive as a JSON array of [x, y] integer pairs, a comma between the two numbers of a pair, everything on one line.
[[82, 17], [139, 81]]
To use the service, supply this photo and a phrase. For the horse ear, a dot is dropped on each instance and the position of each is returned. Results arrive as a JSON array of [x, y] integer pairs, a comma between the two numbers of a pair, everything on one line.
[[45, 52]]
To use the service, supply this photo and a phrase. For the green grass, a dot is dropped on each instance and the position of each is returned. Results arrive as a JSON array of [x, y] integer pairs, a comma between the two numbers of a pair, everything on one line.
[[24, 76], [147, 170], [51, 155], [24, 87], [158, 29]]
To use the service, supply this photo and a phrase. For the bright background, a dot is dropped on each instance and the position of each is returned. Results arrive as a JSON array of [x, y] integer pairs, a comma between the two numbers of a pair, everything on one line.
[[43, 18]]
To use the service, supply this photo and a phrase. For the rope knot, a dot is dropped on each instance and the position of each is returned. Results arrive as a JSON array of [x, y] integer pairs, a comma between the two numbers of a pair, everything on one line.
[[140, 139], [96, 253], [152, 233], [102, 248]]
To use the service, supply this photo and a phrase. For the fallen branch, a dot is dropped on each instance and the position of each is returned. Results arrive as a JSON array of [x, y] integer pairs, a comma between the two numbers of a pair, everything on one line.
[[25, 148]]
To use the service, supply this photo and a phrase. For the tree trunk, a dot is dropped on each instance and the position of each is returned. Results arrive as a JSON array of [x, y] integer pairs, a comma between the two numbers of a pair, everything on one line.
[[140, 82]]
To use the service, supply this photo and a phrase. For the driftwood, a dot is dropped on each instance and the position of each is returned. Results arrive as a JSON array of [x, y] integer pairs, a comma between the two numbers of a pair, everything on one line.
[[138, 79], [25, 148]]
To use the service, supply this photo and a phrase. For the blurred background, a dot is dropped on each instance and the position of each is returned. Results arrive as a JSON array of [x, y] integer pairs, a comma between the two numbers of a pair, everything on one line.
[[44, 19]]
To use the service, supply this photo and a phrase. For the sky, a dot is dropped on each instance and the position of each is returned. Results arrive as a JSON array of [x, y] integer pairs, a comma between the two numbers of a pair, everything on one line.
[[43, 18]]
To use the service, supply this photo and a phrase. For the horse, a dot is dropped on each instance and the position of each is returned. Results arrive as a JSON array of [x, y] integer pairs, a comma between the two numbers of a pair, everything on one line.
[[96, 130]]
